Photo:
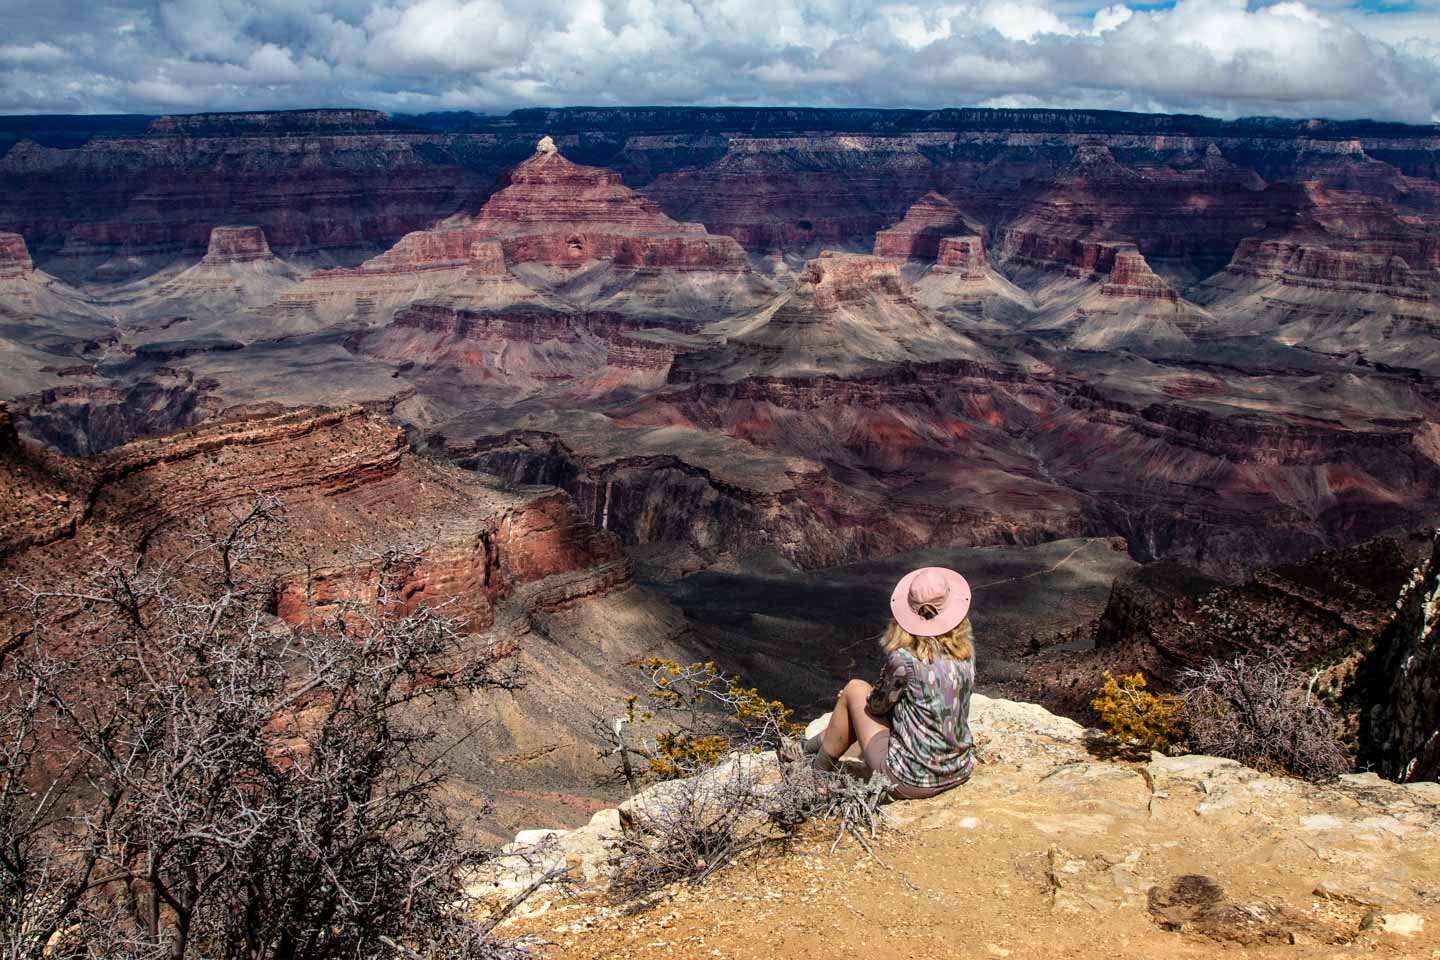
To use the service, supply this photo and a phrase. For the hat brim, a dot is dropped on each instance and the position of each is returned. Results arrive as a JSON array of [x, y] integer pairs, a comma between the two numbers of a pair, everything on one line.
[[957, 605]]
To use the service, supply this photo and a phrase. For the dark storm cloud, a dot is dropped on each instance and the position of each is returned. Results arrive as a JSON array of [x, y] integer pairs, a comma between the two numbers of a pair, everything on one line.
[[1213, 56]]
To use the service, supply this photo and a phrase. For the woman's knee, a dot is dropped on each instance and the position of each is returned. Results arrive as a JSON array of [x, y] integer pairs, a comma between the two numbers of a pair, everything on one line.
[[856, 689]]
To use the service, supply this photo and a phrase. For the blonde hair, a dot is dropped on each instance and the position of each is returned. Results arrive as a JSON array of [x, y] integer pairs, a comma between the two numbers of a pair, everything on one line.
[[958, 644]]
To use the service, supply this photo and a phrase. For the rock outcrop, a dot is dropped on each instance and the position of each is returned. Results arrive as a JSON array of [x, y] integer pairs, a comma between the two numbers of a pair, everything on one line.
[[1296, 263], [14, 257], [962, 256], [845, 313], [520, 567], [557, 213], [1131, 278], [424, 250], [236, 245], [926, 225], [1400, 731]]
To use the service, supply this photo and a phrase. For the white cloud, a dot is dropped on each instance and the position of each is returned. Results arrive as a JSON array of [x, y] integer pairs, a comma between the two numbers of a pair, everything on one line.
[[1294, 57], [1110, 17]]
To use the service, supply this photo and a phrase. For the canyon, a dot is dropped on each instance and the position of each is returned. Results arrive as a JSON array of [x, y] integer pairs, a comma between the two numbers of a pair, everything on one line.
[[625, 377]]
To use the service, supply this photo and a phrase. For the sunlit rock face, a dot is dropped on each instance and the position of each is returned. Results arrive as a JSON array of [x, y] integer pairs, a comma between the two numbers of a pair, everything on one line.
[[14, 256]]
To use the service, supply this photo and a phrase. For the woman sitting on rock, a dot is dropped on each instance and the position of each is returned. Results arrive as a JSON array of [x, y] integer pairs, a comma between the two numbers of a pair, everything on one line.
[[913, 727]]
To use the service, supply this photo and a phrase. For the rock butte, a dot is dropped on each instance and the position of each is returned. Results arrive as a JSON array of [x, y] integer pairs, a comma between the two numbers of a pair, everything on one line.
[[236, 245]]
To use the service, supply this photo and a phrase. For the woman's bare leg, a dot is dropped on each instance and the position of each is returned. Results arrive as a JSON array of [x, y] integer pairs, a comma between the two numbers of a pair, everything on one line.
[[850, 721]]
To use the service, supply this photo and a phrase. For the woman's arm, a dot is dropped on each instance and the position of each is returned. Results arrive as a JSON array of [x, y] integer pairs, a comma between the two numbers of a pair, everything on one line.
[[890, 687]]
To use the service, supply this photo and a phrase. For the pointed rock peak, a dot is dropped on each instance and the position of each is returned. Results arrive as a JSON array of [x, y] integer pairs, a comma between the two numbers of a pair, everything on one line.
[[936, 201], [546, 146], [237, 245], [14, 256]]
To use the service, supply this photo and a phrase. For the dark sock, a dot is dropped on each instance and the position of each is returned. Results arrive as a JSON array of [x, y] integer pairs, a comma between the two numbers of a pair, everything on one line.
[[812, 745], [823, 762]]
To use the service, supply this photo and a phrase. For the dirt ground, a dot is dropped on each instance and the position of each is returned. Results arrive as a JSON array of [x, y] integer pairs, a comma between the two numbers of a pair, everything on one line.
[[933, 901]]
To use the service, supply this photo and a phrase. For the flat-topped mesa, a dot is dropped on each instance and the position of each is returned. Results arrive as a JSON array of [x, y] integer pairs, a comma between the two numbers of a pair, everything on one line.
[[919, 236], [832, 279], [1131, 278], [14, 257], [558, 213], [1078, 256], [237, 245], [1298, 263], [963, 257]]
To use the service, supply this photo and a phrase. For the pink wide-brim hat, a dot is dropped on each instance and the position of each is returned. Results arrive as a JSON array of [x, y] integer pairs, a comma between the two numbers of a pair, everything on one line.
[[944, 589]]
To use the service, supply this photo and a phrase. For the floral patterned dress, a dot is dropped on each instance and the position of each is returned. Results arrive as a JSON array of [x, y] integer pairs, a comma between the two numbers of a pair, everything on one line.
[[929, 706]]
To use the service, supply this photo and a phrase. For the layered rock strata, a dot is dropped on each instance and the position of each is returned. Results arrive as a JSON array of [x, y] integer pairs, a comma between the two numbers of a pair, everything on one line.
[[1131, 278], [962, 256], [14, 257], [557, 213], [236, 245], [926, 225]]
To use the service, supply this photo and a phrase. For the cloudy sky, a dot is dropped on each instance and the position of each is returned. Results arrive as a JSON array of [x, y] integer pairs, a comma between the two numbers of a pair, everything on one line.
[[1224, 57]]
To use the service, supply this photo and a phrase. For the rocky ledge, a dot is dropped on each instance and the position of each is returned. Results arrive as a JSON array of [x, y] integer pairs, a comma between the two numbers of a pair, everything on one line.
[[1049, 842]]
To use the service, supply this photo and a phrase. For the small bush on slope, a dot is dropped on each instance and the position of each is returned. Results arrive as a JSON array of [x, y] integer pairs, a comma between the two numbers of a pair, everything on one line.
[[1132, 714], [711, 714]]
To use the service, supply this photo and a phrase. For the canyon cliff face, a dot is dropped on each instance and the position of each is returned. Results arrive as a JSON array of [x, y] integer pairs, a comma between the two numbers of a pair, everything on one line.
[[1400, 730], [518, 568], [828, 334]]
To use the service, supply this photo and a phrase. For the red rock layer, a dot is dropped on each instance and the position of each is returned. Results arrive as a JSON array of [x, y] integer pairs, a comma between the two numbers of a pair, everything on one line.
[[1078, 256], [559, 213], [348, 480], [14, 256], [423, 250], [1131, 278], [920, 234], [236, 245], [964, 256], [1297, 263], [633, 353], [794, 193], [523, 324]]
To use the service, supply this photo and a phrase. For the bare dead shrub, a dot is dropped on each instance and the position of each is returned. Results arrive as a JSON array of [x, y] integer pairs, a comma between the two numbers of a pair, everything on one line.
[[1263, 714], [691, 829], [200, 780], [687, 830]]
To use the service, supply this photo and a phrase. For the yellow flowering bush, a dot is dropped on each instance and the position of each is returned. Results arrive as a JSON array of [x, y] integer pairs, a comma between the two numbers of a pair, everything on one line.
[[1131, 713], [715, 715]]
